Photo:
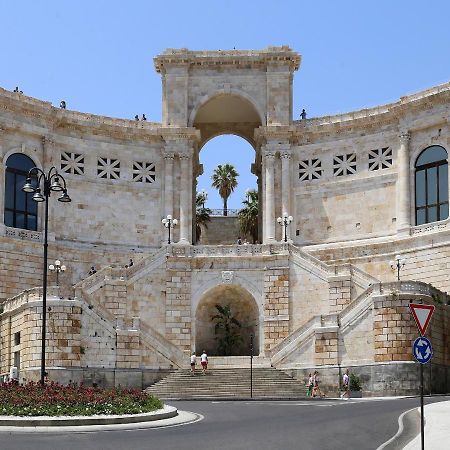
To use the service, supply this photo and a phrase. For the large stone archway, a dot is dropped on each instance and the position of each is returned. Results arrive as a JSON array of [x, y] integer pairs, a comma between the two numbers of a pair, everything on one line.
[[207, 94], [244, 309], [233, 113]]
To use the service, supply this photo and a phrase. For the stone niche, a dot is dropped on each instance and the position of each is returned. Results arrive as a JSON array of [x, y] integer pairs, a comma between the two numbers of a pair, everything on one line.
[[243, 308]]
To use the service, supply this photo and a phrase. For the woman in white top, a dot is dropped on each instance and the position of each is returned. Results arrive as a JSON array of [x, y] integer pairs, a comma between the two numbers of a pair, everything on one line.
[[193, 361]]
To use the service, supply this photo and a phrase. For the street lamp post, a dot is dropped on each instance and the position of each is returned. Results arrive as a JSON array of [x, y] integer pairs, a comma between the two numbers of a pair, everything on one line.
[[284, 222], [57, 268], [398, 264], [169, 222], [251, 365], [41, 190]]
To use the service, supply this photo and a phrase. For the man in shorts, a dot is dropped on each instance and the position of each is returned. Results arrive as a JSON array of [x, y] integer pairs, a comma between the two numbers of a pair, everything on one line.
[[204, 362], [346, 385], [193, 361]]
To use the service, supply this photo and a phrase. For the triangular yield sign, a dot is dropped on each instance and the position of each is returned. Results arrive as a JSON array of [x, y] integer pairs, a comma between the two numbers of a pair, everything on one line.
[[422, 315]]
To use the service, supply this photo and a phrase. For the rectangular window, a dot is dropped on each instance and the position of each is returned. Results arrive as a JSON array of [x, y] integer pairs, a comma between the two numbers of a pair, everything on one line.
[[17, 338], [420, 216], [443, 183], [9, 200], [443, 211], [420, 188], [432, 214], [432, 185]]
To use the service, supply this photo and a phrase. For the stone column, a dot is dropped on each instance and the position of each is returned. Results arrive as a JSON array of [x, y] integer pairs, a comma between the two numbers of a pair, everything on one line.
[[168, 183], [403, 184], [286, 186], [185, 198], [269, 210]]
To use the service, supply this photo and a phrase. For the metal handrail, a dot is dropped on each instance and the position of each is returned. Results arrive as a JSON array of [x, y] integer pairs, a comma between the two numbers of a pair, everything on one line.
[[221, 212]]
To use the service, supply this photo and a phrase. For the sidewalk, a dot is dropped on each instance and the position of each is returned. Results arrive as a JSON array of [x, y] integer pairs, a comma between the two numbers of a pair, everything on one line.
[[437, 428]]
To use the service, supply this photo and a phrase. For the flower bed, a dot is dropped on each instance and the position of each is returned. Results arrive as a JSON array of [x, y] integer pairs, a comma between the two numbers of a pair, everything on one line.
[[55, 399]]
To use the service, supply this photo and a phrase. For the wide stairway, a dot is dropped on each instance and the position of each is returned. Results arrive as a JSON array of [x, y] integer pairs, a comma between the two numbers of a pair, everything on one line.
[[228, 384]]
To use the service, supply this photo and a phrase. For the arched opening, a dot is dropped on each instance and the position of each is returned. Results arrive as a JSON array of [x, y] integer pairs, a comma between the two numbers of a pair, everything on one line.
[[243, 308], [20, 210], [431, 180], [227, 124]]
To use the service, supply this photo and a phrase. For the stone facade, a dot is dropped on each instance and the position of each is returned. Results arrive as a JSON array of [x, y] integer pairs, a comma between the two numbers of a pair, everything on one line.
[[323, 300]]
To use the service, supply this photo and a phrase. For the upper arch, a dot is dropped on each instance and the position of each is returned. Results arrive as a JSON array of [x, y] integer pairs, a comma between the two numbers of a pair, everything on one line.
[[231, 94]]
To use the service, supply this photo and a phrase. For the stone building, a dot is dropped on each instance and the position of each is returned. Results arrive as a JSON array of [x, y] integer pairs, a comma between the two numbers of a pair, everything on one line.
[[362, 187]]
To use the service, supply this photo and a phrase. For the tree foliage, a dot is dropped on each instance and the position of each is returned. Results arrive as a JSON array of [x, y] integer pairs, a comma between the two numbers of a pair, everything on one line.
[[227, 330], [202, 215], [224, 179], [248, 216]]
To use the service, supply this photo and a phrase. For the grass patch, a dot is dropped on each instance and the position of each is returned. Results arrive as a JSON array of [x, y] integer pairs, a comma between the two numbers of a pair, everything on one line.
[[55, 399]]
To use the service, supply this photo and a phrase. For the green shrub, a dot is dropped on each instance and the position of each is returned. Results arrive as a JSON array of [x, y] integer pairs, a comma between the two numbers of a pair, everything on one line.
[[355, 383]]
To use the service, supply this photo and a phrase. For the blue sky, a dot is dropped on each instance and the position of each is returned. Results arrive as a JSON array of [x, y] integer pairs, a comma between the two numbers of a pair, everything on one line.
[[97, 55]]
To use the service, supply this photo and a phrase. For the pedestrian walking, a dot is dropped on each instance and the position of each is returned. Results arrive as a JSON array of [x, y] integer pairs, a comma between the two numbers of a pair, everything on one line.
[[193, 361], [346, 385], [316, 392], [204, 362], [310, 385]]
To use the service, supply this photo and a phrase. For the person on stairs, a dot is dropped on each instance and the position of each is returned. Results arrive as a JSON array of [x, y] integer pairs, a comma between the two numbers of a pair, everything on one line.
[[204, 362], [193, 361]]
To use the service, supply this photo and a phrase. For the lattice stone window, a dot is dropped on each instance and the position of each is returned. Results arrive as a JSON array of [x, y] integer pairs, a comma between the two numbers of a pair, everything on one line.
[[344, 164], [72, 163], [310, 169], [108, 168], [380, 158], [144, 172]]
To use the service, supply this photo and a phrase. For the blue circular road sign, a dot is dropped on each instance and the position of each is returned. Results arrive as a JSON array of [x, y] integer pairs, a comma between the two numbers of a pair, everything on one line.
[[422, 350]]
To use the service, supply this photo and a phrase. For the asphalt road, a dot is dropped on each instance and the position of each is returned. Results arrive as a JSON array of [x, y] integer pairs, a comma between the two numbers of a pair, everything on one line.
[[284, 425]]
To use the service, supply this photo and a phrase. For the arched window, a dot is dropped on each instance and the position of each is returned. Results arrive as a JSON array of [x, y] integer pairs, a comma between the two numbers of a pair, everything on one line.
[[432, 185], [20, 209]]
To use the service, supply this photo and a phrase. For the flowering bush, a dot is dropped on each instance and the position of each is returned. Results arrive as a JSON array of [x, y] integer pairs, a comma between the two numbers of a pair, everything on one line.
[[55, 399]]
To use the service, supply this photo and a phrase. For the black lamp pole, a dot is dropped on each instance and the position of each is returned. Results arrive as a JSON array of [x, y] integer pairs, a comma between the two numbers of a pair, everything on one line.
[[251, 365], [284, 221], [169, 222], [45, 184]]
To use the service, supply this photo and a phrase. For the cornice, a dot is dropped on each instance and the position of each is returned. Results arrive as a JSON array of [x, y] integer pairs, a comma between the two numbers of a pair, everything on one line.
[[376, 116], [283, 55]]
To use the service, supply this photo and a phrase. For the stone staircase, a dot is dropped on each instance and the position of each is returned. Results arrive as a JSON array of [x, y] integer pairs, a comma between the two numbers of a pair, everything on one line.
[[225, 384]]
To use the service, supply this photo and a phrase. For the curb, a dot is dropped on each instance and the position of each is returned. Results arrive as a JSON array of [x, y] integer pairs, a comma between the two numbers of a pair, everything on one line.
[[167, 412], [408, 428]]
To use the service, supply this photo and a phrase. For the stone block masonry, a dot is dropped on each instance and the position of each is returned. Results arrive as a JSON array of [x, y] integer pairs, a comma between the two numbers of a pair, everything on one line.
[[276, 306], [178, 307]]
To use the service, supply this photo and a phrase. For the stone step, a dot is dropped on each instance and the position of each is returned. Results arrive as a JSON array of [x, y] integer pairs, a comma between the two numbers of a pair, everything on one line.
[[228, 383]]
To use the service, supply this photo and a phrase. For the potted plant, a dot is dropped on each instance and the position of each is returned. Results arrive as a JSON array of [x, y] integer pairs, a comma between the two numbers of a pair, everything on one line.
[[355, 386]]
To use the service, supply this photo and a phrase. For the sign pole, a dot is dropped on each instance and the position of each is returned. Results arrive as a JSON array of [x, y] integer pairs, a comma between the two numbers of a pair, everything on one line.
[[422, 351], [422, 431]]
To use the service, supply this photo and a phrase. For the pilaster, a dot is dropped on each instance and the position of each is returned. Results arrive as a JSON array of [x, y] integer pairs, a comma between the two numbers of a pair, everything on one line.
[[403, 187]]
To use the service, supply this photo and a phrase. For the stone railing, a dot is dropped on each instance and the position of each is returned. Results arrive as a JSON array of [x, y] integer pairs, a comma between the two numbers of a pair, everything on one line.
[[412, 287], [430, 227], [162, 345], [18, 233], [27, 296], [119, 273], [228, 250]]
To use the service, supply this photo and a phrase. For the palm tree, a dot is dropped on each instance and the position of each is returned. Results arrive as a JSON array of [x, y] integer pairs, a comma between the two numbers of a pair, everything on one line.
[[228, 328], [202, 214], [224, 179], [248, 215]]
